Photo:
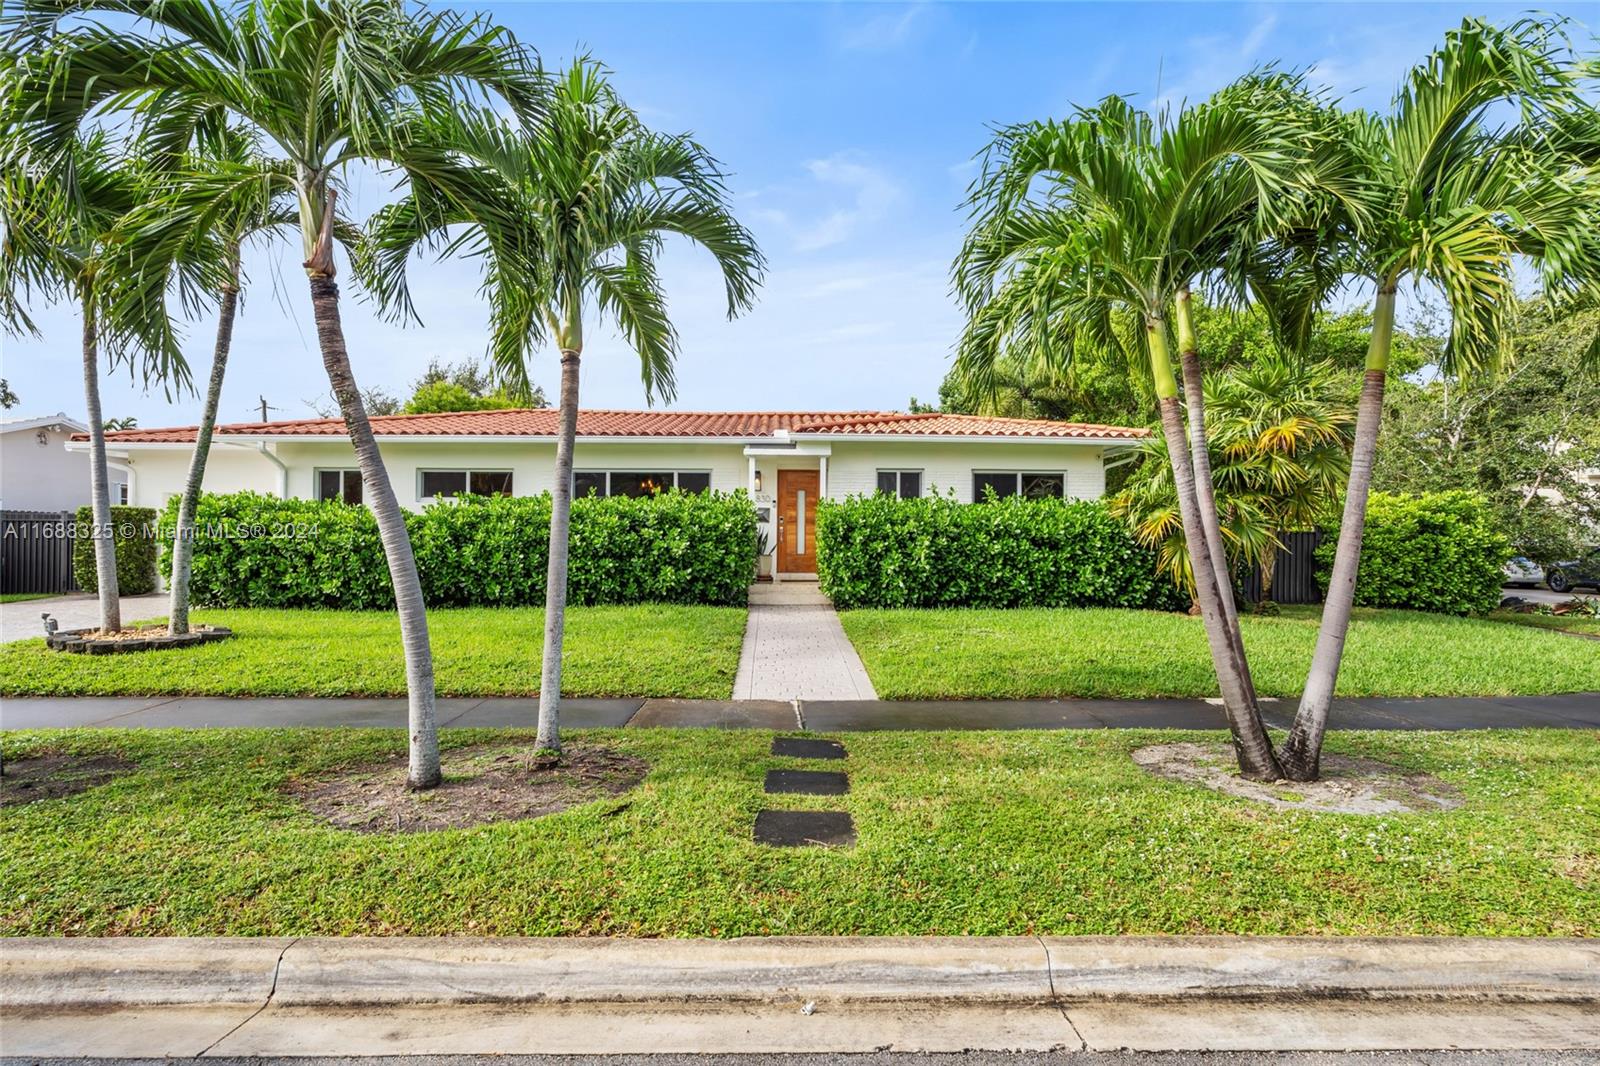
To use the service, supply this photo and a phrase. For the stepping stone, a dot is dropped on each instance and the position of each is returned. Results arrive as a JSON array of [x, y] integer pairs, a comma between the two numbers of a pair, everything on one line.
[[799, 829], [808, 782], [807, 748]]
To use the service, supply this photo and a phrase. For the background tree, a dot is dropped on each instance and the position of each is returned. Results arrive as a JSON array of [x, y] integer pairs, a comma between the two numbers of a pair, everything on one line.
[[1527, 440], [8, 399], [1454, 198], [61, 211], [323, 84], [569, 214], [469, 385]]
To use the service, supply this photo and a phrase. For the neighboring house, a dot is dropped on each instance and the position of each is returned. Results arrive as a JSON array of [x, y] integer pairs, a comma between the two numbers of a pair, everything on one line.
[[786, 461], [38, 473]]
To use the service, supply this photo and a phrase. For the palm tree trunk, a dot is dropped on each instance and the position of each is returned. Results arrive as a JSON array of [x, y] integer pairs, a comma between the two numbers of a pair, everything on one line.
[[555, 592], [379, 496], [183, 536], [105, 545], [1302, 752], [1269, 572], [1250, 742]]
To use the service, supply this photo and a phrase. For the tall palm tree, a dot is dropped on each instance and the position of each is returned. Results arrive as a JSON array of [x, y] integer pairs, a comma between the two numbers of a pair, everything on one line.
[[62, 212], [214, 192], [1131, 210], [1456, 198], [323, 84], [569, 214]]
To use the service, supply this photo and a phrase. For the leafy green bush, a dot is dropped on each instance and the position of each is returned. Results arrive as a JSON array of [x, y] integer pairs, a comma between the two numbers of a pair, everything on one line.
[[878, 551], [1440, 551], [134, 534], [258, 551]]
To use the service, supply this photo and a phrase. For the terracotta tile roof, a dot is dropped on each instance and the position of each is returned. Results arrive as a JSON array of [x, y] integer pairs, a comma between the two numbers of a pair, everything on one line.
[[733, 424]]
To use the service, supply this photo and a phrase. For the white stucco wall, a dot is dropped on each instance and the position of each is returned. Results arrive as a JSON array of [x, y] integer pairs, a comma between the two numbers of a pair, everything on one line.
[[37, 476], [852, 467]]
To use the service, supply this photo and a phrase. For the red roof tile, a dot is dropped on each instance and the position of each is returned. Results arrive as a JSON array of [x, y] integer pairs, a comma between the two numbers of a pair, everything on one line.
[[733, 424]]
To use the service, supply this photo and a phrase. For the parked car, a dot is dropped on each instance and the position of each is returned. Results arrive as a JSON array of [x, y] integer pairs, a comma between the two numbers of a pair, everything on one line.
[[1523, 573], [1574, 573]]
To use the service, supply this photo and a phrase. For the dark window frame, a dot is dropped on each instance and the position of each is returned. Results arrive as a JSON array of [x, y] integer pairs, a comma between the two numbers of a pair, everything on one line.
[[346, 474], [1018, 482], [467, 474], [900, 474], [605, 487]]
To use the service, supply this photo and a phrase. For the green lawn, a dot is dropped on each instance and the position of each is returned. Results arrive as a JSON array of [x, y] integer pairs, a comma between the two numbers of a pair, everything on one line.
[[1570, 623], [610, 651], [23, 597], [959, 833], [1117, 653]]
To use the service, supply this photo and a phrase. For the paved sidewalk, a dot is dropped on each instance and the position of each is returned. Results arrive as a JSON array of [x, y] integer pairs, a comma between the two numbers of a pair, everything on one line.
[[19, 621], [357, 996], [795, 648], [1579, 710]]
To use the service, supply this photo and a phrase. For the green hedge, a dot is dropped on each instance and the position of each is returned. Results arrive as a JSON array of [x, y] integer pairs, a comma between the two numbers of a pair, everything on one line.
[[878, 551], [134, 535], [258, 551], [1436, 552]]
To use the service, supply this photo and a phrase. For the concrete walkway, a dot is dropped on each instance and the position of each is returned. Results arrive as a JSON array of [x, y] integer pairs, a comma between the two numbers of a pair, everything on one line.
[[795, 648], [20, 621], [1580, 710]]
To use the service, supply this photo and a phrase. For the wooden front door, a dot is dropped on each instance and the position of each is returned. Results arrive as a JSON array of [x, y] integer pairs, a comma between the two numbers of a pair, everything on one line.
[[797, 521]]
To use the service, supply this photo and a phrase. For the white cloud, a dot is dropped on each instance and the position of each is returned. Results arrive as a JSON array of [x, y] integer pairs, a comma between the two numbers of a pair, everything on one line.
[[1224, 58], [883, 31], [843, 196]]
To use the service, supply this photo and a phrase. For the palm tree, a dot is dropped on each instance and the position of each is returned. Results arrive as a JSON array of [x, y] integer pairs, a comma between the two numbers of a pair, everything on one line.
[[1455, 199], [215, 192], [1133, 209], [323, 84], [1280, 440], [61, 211], [569, 214]]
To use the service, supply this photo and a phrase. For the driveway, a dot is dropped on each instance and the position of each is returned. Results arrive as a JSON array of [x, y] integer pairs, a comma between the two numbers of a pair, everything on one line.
[[18, 621], [1544, 595]]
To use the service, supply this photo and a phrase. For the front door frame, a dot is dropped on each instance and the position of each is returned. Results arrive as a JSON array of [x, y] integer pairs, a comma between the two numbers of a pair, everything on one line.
[[813, 483]]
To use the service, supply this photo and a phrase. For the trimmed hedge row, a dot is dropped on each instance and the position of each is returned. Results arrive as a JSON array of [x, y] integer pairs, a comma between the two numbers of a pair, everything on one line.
[[253, 550], [1439, 551], [878, 551], [134, 534]]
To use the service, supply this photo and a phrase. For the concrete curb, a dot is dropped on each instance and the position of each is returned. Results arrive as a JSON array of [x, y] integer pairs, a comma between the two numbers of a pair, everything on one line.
[[329, 971], [364, 996]]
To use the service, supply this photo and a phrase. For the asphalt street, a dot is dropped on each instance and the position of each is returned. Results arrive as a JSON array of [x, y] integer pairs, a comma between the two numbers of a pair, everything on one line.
[[969, 1058]]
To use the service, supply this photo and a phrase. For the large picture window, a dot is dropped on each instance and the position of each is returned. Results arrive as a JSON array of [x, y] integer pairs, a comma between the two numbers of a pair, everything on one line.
[[906, 484], [433, 484], [1030, 485], [637, 483], [339, 485]]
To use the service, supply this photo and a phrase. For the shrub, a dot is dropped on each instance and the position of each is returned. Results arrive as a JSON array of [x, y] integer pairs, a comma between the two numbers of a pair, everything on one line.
[[258, 551], [878, 551], [1439, 552], [134, 534]]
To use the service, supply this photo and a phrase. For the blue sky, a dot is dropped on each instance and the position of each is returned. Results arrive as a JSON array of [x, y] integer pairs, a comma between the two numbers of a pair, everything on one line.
[[849, 131]]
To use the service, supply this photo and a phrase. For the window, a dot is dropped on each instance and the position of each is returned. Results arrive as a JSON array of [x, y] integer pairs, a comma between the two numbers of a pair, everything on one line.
[[434, 484], [339, 485], [637, 483], [122, 493], [1033, 486], [906, 484]]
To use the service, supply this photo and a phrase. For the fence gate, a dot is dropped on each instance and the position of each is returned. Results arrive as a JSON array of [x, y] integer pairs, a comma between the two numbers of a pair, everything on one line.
[[36, 551], [1294, 577]]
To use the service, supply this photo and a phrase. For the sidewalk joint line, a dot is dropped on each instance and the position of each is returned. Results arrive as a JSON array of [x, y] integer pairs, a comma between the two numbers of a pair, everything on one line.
[[137, 710], [1055, 998], [276, 967]]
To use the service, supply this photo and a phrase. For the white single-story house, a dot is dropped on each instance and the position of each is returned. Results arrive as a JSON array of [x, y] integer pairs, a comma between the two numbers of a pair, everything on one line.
[[785, 460], [37, 474]]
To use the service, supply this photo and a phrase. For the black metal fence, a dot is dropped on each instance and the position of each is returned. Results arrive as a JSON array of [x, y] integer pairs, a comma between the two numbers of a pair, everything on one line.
[[36, 551], [1294, 578]]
